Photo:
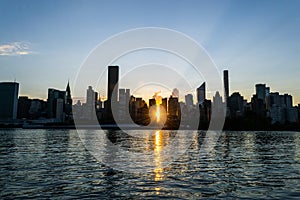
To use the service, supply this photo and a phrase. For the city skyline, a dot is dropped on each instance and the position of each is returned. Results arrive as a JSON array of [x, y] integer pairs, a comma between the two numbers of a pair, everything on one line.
[[256, 41]]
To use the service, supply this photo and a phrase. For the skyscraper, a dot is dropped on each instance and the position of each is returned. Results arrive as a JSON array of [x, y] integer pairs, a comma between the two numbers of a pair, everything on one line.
[[201, 96], [55, 103], [113, 78], [226, 84], [8, 100], [261, 91], [189, 100], [69, 101]]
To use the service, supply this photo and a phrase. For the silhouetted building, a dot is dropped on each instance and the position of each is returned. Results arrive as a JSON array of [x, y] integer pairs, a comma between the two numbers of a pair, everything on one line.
[[288, 100], [89, 108], [112, 93], [218, 104], [201, 96], [258, 106], [164, 104], [189, 100], [139, 111], [124, 97], [8, 100], [226, 85], [68, 102], [24, 104], [152, 102], [292, 114], [175, 93], [236, 105], [38, 109], [55, 104], [173, 107], [113, 79], [274, 98], [261, 92], [277, 114], [205, 114]]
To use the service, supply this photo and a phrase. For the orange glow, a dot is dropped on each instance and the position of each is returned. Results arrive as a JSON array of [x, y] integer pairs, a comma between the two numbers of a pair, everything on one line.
[[157, 112], [158, 171]]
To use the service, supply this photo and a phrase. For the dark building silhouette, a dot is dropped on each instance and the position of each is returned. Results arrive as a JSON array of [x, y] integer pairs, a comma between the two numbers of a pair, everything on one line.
[[8, 100], [56, 104], [152, 102], [261, 92], [189, 100], [164, 104], [68, 102], [226, 85], [173, 107], [37, 109], [201, 93], [236, 105], [258, 106], [112, 93], [124, 98], [24, 104], [113, 79], [139, 111]]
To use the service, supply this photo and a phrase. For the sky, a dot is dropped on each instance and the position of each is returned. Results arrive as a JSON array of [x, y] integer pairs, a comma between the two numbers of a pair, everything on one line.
[[43, 44]]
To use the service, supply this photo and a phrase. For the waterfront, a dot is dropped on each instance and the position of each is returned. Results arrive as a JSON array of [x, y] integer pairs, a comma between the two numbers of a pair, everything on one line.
[[55, 164]]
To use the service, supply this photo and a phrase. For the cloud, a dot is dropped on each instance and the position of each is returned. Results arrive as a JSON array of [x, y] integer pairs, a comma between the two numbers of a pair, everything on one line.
[[15, 49]]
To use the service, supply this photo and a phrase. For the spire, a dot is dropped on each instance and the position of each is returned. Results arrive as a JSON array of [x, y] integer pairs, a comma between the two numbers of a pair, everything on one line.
[[68, 90]]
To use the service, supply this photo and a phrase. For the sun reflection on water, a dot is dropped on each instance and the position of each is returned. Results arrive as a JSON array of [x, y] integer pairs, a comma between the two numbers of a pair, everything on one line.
[[158, 171]]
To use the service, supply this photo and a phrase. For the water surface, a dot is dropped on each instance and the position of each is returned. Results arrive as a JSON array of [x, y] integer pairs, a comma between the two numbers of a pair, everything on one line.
[[55, 164]]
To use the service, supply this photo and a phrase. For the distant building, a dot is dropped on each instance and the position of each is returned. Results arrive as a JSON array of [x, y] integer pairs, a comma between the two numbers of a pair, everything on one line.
[[68, 103], [9, 100], [173, 107], [201, 96], [189, 100], [236, 105], [277, 114], [164, 104], [288, 100], [113, 79], [258, 106], [218, 104], [124, 97], [89, 110], [292, 114], [24, 104], [55, 104], [226, 84], [152, 102], [261, 92], [38, 109]]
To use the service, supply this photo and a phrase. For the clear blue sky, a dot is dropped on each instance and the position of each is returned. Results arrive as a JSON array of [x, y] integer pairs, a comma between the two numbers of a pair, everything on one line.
[[43, 43]]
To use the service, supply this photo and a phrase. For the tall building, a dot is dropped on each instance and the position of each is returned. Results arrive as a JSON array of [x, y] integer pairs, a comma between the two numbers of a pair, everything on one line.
[[189, 100], [69, 101], [288, 100], [55, 103], [226, 84], [152, 102], [236, 105], [90, 105], [113, 78], [164, 104], [201, 96], [8, 100], [23, 107], [173, 107], [261, 91], [124, 98]]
